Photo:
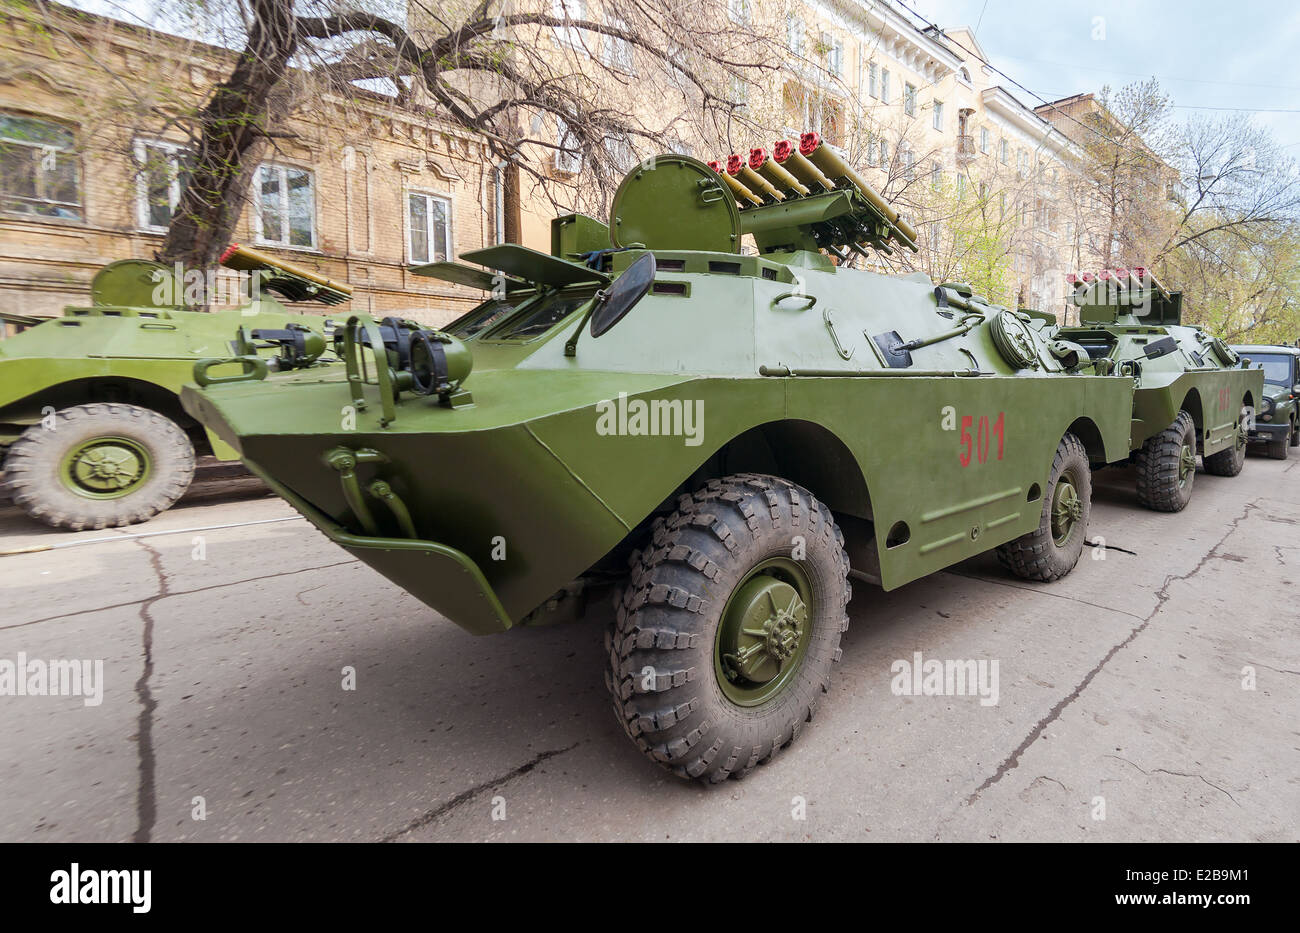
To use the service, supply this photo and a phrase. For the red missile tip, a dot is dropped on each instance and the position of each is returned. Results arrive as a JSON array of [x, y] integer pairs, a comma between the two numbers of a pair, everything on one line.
[[734, 163], [714, 164], [1071, 278], [1140, 272], [1087, 276], [1104, 274], [782, 149], [230, 251], [809, 142], [1122, 273], [757, 157]]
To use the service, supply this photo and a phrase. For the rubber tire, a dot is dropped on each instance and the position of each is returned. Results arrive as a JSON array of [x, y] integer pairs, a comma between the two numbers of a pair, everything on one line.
[[1227, 462], [1036, 555], [1279, 449], [668, 613], [1158, 464], [1295, 432], [33, 461]]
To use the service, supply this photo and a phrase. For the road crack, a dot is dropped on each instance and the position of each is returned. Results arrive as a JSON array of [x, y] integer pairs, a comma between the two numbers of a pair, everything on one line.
[[200, 589], [432, 816], [1162, 597], [146, 803]]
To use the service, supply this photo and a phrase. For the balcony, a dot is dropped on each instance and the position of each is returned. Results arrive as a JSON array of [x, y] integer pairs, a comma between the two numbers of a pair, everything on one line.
[[965, 149]]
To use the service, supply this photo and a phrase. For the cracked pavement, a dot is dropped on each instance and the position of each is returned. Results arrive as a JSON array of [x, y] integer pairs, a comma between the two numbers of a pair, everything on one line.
[[225, 653]]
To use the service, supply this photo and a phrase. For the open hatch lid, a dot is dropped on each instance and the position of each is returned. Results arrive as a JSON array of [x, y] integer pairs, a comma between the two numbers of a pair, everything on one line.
[[532, 266], [470, 276]]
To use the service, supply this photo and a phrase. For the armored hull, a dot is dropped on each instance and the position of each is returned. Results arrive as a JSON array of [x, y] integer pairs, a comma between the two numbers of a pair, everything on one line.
[[725, 437], [1193, 394], [91, 426]]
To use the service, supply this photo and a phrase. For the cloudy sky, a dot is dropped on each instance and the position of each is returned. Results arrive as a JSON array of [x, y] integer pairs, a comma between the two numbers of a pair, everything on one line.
[[1239, 55], [1242, 55]]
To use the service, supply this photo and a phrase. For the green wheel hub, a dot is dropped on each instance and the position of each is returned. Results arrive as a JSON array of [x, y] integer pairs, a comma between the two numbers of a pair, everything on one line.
[[1067, 508], [1186, 464], [764, 632], [105, 467]]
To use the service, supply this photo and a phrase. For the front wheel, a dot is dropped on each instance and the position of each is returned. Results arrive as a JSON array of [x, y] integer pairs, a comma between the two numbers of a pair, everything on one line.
[[726, 631], [1052, 549], [99, 465], [1166, 466]]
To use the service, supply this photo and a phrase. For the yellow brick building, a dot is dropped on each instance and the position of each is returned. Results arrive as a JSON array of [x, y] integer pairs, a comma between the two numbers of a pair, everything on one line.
[[90, 168]]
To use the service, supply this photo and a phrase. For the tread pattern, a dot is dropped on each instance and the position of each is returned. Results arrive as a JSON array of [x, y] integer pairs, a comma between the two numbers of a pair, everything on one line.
[[31, 467], [1035, 556], [660, 643], [1157, 466], [1227, 462]]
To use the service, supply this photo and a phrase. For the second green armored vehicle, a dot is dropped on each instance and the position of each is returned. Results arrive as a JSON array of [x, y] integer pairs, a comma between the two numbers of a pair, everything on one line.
[[1277, 419], [1194, 393], [91, 427], [727, 436]]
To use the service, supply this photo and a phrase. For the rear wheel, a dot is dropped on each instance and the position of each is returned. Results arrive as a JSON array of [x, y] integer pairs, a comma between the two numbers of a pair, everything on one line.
[[728, 625], [1278, 448], [1229, 462], [99, 465], [1295, 432], [1053, 548], [1166, 466]]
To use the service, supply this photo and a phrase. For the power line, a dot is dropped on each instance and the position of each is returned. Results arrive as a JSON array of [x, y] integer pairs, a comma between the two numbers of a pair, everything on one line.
[[1136, 74]]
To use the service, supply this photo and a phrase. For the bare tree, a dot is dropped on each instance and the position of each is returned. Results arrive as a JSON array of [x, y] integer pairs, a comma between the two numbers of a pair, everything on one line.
[[567, 93]]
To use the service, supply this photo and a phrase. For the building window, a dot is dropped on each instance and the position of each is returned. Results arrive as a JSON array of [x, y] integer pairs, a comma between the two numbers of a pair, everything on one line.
[[884, 155], [936, 175], [794, 34], [569, 10], [909, 162], [618, 52], [1022, 163], [740, 11], [873, 80], [909, 100], [834, 51], [621, 153], [428, 221], [568, 158], [884, 85], [38, 168], [961, 186], [1002, 151], [938, 115], [162, 170], [285, 202], [984, 140]]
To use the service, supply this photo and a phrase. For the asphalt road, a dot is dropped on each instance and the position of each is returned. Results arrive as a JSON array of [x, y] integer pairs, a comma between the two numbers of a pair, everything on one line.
[[1123, 712]]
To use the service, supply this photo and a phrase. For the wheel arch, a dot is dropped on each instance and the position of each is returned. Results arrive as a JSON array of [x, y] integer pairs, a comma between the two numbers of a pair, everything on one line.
[[1191, 404], [1086, 430], [803, 452], [88, 390]]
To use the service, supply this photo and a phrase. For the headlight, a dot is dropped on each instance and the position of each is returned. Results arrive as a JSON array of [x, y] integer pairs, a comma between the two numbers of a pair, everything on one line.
[[1266, 404]]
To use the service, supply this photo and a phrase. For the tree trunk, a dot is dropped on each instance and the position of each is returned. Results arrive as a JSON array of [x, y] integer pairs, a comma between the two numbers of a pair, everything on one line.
[[233, 126]]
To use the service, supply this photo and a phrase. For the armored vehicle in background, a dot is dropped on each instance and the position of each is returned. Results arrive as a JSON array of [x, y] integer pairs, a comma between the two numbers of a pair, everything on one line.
[[1277, 417], [726, 436], [1194, 393], [91, 427]]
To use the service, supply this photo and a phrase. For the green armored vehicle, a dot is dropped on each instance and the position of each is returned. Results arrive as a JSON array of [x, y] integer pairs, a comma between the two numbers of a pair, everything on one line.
[[726, 436], [91, 427], [1194, 393], [1277, 418]]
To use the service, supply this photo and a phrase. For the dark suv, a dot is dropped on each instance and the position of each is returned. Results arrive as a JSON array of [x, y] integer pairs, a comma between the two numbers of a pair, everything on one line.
[[1277, 417]]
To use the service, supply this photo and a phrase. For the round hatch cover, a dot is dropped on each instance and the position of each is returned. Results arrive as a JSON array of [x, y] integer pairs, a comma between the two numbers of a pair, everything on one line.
[[1014, 339], [134, 283], [675, 202]]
